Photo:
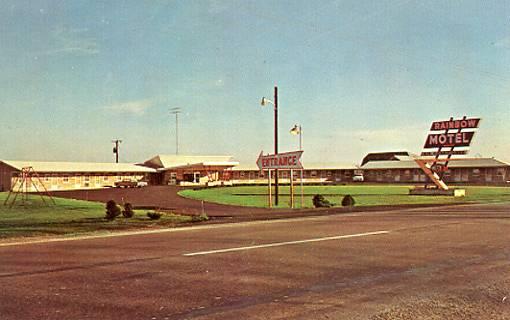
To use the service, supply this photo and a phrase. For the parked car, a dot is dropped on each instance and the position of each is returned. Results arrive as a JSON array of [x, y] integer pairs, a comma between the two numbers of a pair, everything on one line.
[[358, 178], [131, 184]]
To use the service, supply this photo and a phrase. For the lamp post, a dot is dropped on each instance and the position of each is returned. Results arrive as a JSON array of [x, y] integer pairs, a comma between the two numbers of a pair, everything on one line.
[[297, 130], [176, 111], [275, 104]]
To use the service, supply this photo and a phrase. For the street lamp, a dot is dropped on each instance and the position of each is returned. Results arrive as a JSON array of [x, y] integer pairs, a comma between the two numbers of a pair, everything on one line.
[[116, 149], [264, 102], [176, 111], [297, 130]]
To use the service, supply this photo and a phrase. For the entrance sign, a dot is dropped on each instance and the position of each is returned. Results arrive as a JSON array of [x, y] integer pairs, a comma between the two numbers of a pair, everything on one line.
[[286, 160]]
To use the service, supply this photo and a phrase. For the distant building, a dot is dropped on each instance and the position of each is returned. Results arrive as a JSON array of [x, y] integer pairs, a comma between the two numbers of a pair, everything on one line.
[[70, 175]]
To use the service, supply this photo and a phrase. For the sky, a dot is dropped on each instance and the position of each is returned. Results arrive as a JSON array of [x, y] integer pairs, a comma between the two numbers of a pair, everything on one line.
[[358, 76]]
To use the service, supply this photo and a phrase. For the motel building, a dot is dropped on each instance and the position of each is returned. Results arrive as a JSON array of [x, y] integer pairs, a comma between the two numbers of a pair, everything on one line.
[[191, 170], [313, 173], [69, 175], [395, 167], [186, 170]]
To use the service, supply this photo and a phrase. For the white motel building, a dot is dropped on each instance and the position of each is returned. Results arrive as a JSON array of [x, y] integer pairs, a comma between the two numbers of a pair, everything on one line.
[[194, 170]]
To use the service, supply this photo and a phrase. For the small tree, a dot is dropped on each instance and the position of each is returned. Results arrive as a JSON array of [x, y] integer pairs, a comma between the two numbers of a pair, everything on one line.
[[200, 218], [153, 215], [320, 202], [112, 210], [348, 201], [128, 211]]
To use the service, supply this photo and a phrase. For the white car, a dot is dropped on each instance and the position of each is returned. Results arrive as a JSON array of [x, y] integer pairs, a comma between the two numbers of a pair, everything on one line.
[[141, 184], [358, 178]]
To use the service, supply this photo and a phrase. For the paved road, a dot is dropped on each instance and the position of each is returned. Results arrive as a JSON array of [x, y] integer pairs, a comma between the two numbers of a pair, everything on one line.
[[447, 262]]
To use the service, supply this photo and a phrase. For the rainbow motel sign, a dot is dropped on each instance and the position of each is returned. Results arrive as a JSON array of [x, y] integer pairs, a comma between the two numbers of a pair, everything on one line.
[[458, 138], [456, 133]]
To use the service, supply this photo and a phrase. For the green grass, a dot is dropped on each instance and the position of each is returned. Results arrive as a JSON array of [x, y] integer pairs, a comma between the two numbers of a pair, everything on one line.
[[364, 195], [70, 218]]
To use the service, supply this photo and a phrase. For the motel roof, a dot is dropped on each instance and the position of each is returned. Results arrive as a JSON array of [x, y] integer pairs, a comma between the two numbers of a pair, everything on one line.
[[165, 162], [456, 163], [47, 166]]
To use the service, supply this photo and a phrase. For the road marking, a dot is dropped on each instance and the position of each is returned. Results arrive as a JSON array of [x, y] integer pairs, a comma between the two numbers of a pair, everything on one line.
[[279, 244]]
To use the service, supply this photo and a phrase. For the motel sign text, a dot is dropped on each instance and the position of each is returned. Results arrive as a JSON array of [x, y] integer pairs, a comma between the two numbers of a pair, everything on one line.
[[287, 160]]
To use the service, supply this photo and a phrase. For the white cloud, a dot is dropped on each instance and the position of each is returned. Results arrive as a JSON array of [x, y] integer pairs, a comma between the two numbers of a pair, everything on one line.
[[67, 40], [502, 43], [131, 107]]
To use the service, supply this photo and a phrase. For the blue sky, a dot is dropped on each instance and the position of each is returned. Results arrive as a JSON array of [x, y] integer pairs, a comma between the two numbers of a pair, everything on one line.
[[359, 76]]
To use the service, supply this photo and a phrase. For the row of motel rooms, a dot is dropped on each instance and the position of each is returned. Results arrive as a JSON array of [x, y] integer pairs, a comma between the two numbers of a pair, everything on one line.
[[387, 167]]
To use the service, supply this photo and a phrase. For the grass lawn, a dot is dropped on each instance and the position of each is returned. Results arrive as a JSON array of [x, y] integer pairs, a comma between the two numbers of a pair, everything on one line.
[[69, 217], [364, 195]]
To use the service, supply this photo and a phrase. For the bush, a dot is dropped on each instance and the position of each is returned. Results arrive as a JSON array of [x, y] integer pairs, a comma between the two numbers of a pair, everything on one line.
[[320, 202], [348, 201], [199, 218], [153, 215], [112, 210], [128, 211]]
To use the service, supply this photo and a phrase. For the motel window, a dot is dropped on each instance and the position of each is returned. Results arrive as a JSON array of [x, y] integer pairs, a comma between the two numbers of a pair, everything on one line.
[[285, 174]]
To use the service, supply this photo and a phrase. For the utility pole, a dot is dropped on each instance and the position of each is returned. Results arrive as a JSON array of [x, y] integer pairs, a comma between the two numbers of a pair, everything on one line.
[[276, 143], [176, 111], [275, 105], [116, 149]]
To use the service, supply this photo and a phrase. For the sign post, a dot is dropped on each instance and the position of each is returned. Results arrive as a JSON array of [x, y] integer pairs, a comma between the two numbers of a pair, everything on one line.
[[269, 191], [281, 161], [291, 189]]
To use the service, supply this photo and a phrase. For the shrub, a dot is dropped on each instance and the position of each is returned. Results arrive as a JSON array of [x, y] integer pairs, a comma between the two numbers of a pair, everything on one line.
[[320, 202], [128, 211], [199, 218], [112, 210], [153, 215], [348, 201]]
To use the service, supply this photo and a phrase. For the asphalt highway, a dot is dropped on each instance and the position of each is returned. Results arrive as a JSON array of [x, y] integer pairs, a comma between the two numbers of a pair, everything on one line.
[[406, 264]]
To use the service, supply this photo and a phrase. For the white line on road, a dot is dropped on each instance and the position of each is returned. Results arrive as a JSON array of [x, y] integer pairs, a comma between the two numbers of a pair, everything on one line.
[[279, 244]]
